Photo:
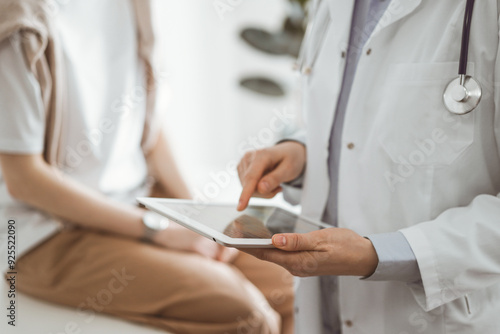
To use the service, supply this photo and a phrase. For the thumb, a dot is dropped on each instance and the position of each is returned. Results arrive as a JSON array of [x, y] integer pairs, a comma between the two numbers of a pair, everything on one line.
[[293, 242]]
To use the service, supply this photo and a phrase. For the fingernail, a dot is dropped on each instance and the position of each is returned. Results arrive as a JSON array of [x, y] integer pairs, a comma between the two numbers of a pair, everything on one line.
[[279, 241]]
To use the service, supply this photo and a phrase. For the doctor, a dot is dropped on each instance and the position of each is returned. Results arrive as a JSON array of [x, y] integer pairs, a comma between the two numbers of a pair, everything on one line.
[[412, 188]]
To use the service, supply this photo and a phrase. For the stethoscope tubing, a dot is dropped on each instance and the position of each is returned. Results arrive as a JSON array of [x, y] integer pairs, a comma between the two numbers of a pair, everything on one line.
[[464, 52]]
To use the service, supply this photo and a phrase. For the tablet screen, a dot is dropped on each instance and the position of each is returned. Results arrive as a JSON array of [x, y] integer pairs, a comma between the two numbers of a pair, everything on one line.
[[256, 222]]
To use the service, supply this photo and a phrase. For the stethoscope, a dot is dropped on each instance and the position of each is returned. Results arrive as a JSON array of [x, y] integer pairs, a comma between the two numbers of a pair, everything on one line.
[[463, 94]]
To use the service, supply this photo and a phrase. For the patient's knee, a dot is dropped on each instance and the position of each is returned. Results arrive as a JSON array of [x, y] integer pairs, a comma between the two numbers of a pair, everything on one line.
[[259, 321], [238, 310]]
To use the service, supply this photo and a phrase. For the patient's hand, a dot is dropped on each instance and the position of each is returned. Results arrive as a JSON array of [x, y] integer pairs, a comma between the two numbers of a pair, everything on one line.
[[177, 237]]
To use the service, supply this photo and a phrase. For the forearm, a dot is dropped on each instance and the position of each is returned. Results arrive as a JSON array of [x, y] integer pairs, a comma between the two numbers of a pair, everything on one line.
[[163, 167], [45, 188]]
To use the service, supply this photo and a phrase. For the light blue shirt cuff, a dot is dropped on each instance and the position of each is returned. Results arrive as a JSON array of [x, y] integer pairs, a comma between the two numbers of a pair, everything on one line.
[[397, 262]]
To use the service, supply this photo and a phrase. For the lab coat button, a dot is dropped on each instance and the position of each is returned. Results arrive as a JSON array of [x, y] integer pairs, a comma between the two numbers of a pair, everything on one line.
[[368, 52], [343, 54], [307, 70], [348, 323], [350, 146]]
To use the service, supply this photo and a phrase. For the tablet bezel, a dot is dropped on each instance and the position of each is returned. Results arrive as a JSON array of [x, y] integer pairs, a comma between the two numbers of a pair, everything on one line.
[[155, 204]]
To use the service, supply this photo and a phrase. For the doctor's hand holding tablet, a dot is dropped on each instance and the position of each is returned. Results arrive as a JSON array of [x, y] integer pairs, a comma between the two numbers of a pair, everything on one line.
[[330, 251], [303, 246]]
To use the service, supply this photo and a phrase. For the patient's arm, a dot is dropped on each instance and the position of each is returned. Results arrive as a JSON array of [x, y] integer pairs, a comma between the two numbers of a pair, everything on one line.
[[31, 180], [163, 167]]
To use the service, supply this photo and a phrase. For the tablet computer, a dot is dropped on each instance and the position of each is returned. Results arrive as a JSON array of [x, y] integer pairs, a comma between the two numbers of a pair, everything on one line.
[[222, 223]]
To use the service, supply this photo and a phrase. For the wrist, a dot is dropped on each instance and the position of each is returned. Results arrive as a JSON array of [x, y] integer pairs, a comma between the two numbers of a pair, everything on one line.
[[295, 153], [370, 259], [164, 238], [153, 224]]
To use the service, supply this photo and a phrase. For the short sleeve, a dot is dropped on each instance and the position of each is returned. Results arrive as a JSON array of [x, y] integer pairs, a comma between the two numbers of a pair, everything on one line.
[[22, 117]]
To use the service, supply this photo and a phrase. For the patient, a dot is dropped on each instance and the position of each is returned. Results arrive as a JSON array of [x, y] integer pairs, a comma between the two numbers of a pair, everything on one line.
[[80, 139]]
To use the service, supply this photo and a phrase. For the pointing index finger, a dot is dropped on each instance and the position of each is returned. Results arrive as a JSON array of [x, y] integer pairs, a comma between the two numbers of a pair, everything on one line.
[[249, 183], [248, 189]]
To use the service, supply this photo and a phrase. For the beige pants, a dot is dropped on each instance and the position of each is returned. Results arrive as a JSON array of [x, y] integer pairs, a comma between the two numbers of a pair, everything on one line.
[[176, 291]]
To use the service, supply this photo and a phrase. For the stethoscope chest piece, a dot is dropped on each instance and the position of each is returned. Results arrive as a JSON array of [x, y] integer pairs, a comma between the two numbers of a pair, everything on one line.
[[462, 95]]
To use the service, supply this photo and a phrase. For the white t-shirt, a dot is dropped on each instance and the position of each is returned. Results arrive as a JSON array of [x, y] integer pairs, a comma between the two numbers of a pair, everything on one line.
[[105, 117]]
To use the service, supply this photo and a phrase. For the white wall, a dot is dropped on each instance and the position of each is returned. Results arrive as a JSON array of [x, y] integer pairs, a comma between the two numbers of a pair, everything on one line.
[[209, 118]]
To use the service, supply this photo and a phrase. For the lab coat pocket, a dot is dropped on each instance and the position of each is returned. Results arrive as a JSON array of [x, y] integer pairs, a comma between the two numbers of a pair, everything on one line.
[[415, 128]]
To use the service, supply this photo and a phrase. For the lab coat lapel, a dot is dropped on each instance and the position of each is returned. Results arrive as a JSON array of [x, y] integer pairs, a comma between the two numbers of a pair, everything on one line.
[[396, 11], [339, 8], [341, 14]]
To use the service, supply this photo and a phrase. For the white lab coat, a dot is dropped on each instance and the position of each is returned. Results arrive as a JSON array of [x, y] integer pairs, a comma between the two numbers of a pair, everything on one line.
[[414, 167]]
